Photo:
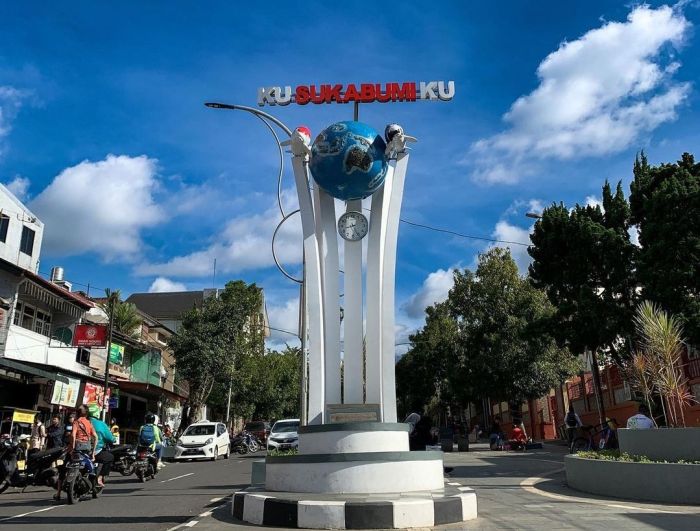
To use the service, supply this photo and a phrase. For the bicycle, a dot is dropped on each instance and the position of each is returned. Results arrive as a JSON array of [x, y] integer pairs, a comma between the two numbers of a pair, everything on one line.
[[605, 433]]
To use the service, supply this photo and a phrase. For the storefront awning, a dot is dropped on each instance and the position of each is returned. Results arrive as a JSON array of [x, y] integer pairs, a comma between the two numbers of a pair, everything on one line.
[[22, 367], [149, 390]]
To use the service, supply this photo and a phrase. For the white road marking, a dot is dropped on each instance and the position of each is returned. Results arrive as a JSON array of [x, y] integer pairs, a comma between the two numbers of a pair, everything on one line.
[[30, 512], [177, 477], [529, 485], [205, 514], [191, 523], [216, 499]]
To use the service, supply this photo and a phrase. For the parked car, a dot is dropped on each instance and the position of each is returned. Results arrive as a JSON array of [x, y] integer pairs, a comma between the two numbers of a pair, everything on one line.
[[258, 428], [203, 440], [284, 435]]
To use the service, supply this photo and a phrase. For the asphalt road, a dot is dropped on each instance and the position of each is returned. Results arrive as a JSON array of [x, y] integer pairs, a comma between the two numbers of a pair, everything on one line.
[[179, 493]]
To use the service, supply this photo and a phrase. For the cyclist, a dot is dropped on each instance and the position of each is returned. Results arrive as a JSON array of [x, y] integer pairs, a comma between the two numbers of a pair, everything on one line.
[[151, 437]]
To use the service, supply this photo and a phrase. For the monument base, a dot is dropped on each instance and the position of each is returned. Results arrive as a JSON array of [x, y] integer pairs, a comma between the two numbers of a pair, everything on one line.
[[354, 475], [448, 505]]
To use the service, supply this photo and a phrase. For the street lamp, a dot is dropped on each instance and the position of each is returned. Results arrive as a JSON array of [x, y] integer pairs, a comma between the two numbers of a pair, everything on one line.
[[266, 119]]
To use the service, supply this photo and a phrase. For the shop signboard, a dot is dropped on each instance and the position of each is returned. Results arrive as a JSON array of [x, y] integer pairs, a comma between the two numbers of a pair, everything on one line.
[[22, 415], [90, 335], [94, 393], [116, 353], [66, 394]]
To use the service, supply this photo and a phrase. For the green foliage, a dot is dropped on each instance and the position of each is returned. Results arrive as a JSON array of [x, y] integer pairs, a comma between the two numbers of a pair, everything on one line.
[[489, 338], [422, 375], [126, 318], [583, 259], [665, 204], [217, 337], [615, 455], [504, 348]]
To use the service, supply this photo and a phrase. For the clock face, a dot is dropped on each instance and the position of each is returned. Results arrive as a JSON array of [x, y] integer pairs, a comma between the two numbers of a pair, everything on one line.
[[353, 226]]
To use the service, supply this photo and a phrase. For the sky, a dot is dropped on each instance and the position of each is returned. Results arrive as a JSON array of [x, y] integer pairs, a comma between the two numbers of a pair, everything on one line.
[[103, 132]]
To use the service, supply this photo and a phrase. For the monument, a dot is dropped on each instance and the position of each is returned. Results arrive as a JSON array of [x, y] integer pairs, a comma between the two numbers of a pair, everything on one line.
[[353, 468]]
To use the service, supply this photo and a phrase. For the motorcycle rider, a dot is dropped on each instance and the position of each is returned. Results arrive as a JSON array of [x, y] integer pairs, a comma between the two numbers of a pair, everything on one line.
[[151, 437], [82, 439], [104, 436], [114, 428]]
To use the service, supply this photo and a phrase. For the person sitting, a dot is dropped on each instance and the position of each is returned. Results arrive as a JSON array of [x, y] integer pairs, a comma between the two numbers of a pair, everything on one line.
[[104, 437], [518, 439], [151, 437], [642, 420]]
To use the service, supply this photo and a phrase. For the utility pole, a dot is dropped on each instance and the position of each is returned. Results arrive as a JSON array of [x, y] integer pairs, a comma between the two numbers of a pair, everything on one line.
[[110, 305]]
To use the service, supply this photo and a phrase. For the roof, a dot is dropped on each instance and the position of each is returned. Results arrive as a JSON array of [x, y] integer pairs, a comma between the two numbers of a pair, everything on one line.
[[169, 305]]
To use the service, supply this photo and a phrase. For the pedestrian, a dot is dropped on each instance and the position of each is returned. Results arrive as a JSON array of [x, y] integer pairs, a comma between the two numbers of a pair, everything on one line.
[[68, 430], [495, 433], [114, 428], [38, 436], [54, 433], [642, 420], [103, 456], [573, 423]]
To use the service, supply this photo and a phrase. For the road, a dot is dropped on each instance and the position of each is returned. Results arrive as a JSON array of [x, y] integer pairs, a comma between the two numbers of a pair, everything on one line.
[[180, 492], [514, 490]]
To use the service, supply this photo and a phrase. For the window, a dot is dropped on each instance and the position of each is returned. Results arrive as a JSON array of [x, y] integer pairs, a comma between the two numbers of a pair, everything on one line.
[[4, 224], [83, 356], [33, 319], [27, 243]]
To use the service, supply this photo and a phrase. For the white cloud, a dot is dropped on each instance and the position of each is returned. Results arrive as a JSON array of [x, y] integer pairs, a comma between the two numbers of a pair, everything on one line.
[[10, 102], [597, 95], [285, 318], [435, 288], [511, 233], [243, 244], [164, 285], [100, 207], [19, 186], [593, 201]]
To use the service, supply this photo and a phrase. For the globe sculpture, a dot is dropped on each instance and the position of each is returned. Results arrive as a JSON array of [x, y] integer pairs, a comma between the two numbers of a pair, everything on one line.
[[348, 160]]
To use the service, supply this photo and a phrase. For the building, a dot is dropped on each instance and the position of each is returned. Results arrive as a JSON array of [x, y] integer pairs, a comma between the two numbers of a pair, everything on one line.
[[39, 367]]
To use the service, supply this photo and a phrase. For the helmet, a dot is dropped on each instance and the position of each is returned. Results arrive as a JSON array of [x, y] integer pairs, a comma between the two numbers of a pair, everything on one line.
[[150, 418], [93, 410]]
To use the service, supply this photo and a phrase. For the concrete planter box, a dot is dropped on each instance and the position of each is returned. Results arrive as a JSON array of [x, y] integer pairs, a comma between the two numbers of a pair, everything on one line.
[[656, 482], [668, 444]]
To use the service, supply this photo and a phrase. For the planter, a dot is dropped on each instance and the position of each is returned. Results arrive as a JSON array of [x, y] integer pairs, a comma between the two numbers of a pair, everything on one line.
[[668, 444], [656, 482]]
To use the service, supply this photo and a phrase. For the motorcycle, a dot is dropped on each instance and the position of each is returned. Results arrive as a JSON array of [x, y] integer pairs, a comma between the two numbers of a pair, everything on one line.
[[81, 477], [124, 459], [39, 467], [146, 465], [245, 442]]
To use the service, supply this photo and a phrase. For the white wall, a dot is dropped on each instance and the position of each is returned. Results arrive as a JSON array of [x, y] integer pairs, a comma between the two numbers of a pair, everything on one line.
[[19, 216], [25, 345]]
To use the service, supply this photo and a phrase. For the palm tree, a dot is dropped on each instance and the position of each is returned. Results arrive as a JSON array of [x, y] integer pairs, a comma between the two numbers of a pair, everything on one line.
[[126, 318]]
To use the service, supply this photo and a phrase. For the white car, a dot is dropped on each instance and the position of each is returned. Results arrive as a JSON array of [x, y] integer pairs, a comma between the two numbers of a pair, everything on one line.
[[203, 440], [284, 435]]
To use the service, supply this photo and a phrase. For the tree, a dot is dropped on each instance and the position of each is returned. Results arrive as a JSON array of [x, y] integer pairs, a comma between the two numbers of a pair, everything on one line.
[[422, 374], [217, 337], [126, 318], [583, 259], [504, 349], [665, 203]]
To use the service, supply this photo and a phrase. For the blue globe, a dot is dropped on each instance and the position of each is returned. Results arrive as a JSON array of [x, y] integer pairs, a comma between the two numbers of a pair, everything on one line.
[[348, 160]]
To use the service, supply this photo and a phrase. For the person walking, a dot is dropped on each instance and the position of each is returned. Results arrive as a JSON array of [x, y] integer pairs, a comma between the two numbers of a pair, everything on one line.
[[38, 436], [54, 434], [103, 456], [573, 423]]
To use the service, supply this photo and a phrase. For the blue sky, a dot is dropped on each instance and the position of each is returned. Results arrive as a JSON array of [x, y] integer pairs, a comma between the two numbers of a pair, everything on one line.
[[103, 132]]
